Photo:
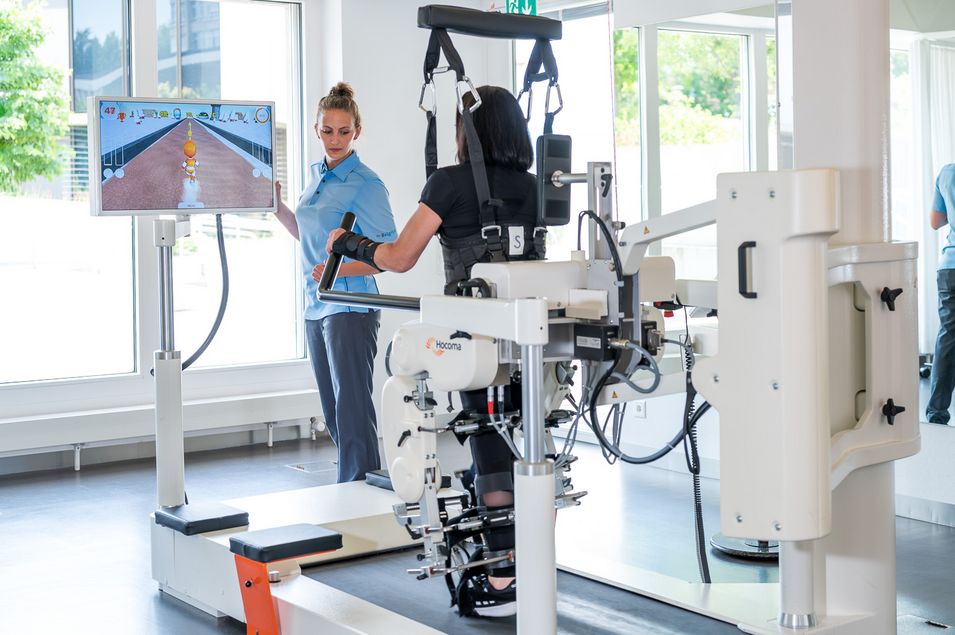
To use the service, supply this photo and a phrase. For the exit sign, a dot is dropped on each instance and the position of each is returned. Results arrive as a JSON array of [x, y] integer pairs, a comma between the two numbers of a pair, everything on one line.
[[524, 7]]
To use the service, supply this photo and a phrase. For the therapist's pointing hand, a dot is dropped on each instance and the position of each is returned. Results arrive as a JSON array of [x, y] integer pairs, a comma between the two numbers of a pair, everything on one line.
[[332, 237]]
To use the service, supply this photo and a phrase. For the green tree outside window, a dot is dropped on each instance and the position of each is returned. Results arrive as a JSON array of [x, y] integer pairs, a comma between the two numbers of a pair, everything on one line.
[[33, 103]]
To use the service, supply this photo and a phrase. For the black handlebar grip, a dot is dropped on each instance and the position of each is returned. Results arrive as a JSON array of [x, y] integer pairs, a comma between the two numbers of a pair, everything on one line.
[[334, 262], [743, 267]]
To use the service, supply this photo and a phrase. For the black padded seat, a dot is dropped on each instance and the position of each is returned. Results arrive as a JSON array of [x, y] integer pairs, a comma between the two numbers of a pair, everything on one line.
[[199, 518], [280, 543], [488, 23]]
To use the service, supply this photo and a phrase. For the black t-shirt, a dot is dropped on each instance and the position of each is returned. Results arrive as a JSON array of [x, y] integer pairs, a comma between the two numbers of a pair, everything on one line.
[[450, 192]]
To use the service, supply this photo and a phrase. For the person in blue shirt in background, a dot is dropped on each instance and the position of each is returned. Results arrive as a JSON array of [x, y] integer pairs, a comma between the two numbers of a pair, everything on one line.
[[342, 340], [943, 364]]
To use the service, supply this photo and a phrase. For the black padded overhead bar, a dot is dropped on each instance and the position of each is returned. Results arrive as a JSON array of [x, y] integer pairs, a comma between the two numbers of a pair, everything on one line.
[[488, 24]]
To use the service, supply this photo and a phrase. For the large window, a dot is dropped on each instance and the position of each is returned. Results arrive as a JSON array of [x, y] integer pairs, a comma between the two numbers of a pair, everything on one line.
[[99, 47], [68, 279], [214, 60], [73, 305], [694, 98], [583, 56]]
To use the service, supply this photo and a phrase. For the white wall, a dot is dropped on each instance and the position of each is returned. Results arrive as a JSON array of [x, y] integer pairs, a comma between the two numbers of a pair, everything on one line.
[[930, 474]]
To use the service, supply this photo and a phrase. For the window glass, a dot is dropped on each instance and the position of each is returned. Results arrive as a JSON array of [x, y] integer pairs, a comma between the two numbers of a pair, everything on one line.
[[67, 278], [905, 224], [701, 133], [583, 57], [99, 50], [263, 319], [773, 102]]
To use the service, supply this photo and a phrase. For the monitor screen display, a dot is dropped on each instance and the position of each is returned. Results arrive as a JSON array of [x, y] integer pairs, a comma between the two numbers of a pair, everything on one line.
[[165, 156]]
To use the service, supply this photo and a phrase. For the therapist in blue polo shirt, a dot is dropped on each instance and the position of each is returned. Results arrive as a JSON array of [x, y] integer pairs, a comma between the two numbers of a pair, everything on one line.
[[943, 364], [342, 340]]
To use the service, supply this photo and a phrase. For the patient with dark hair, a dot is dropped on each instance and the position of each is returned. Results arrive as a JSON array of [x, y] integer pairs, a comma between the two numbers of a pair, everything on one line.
[[449, 207]]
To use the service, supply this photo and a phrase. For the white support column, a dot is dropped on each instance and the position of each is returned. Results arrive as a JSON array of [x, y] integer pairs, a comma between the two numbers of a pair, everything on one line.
[[534, 508], [838, 56], [840, 70], [167, 365], [796, 606]]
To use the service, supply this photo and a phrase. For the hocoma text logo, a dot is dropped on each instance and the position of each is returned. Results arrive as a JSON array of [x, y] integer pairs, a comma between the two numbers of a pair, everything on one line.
[[440, 347]]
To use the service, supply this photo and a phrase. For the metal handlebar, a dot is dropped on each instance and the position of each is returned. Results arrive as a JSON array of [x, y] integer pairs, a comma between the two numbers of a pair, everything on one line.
[[351, 298]]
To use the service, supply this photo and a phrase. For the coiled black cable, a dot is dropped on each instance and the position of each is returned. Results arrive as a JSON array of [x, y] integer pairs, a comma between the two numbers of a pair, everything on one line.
[[691, 452], [615, 450]]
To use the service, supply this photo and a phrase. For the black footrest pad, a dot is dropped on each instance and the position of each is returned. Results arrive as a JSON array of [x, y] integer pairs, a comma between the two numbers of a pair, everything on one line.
[[380, 478], [280, 543], [488, 23], [199, 518]]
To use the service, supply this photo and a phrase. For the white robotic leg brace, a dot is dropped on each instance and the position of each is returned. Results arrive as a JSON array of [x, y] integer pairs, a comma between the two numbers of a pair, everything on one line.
[[423, 355]]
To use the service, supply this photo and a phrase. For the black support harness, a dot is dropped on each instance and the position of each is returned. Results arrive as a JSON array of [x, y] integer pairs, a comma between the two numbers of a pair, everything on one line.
[[498, 241]]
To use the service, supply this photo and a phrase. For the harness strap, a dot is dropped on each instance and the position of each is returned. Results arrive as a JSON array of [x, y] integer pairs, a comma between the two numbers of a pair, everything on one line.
[[542, 56], [431, 145]]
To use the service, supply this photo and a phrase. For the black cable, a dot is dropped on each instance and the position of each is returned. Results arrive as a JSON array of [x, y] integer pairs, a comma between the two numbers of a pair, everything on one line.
[[223, 301], [607, 447], [602, 225], [692, 454]]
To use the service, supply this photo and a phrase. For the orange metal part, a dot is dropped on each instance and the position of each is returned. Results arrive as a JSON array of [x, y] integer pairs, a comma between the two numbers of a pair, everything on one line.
[[260, 615]]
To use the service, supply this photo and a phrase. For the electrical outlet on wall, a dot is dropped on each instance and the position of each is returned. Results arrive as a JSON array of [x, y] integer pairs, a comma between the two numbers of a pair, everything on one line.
[[639, 409]]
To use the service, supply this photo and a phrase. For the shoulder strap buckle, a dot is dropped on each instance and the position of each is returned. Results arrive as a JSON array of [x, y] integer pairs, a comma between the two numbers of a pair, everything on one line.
[[489, 228]]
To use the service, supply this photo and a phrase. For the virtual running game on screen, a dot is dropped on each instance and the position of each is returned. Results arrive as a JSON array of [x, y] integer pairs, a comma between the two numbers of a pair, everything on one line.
[[185, 156]]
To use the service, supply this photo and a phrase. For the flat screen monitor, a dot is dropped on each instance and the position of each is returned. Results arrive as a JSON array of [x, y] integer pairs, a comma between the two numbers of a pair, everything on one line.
[[164, 156]]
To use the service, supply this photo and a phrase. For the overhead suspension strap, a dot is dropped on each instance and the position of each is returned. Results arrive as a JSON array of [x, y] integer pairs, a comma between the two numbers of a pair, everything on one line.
[[440, 42], [442, 19], [542, 57]]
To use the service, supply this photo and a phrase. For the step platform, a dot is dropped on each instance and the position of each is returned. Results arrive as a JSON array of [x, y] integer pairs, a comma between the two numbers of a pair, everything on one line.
[[200, 569]]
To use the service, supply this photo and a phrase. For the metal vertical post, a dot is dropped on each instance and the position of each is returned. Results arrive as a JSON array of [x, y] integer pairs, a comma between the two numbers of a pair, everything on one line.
[[534, 508], [167, 364], [796, 585], [600, 201]]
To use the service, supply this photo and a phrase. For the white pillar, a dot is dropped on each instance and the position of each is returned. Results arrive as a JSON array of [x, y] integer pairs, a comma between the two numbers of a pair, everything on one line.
[[840, 112], [796, 605], [838, 100], [534, 547]]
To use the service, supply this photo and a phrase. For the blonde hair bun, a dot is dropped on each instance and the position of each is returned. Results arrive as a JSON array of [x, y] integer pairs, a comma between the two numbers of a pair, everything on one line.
[[340, 97], [342, 89]]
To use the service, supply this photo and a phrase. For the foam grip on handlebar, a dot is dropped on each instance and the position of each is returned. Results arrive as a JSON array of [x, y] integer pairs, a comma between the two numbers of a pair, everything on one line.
[[334, 262]]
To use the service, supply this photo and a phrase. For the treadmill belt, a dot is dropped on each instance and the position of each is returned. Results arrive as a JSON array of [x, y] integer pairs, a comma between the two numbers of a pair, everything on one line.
[[583, 606]]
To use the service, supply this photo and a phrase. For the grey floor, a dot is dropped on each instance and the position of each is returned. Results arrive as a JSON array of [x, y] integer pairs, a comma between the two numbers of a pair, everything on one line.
[[74, 549]]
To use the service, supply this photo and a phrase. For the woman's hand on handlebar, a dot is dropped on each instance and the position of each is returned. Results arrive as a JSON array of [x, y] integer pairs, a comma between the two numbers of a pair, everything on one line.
[[338, 231], [317, 272]]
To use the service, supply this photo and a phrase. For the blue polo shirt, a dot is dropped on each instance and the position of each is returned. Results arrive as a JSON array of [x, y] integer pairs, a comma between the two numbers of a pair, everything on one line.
[[350, 187], [945, 202]]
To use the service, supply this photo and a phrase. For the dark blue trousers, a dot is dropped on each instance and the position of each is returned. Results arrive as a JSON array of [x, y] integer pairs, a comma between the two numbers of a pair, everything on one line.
[[943, 364], [342, 347]]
